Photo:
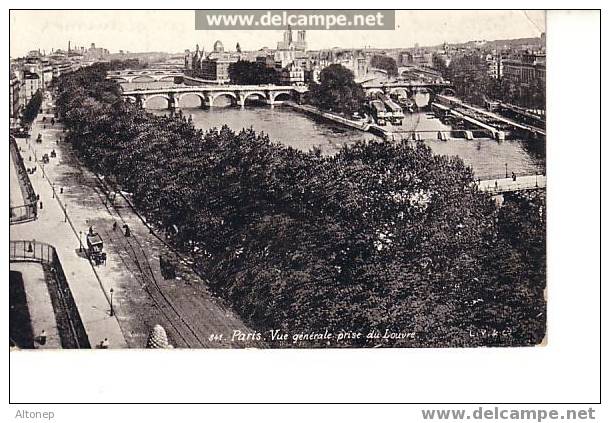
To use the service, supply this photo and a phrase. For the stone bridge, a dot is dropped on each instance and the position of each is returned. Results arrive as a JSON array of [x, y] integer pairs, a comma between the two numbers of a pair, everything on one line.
[[408, 88], [237, 94], [144, 75]]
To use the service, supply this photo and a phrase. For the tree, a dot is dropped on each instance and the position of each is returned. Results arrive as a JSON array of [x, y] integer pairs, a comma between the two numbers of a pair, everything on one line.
[[385, 63], [252, 73], [439, 63], [382, 235], [31, 109], [337, 91]]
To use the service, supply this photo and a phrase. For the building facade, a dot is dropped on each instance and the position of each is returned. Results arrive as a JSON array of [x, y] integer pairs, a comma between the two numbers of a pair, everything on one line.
[[529, 69]]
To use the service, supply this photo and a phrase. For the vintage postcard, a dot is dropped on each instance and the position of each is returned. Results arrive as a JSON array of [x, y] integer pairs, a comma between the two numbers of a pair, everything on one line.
[[277, 179]]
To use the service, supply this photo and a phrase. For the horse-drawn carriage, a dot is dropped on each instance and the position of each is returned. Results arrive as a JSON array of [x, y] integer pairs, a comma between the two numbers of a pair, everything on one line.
[[95, 246]]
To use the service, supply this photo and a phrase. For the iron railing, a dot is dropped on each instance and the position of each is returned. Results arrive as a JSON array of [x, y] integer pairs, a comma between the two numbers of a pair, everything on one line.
[[41, 252]]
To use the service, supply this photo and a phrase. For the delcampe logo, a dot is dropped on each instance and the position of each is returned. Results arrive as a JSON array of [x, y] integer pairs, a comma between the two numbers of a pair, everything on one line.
[[297, 19]]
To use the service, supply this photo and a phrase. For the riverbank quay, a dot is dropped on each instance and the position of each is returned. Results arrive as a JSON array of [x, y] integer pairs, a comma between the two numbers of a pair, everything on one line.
[[314, 111], [55, 227]]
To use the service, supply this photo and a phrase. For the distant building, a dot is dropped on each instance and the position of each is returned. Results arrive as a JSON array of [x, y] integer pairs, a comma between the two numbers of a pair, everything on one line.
[[14, 103], [211, 68], [95, 53], [288, 43], [31, 83], [495, 66], [292, 75], [529, 69]]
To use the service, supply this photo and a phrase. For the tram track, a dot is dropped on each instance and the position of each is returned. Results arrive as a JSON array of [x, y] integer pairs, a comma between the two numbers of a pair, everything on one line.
[[148, 280]]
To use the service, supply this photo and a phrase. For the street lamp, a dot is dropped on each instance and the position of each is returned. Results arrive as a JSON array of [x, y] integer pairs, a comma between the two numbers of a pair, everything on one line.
[[80, 241], [506, 168], [111, 305]]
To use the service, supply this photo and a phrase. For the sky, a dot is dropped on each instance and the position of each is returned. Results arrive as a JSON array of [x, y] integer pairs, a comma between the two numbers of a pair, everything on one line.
[[174, 31]]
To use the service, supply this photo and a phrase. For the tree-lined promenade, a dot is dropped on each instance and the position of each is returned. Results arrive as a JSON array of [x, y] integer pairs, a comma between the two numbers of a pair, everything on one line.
[[381, 236]]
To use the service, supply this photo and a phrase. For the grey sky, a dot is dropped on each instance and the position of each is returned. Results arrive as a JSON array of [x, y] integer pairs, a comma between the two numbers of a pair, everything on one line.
[[173, 31]]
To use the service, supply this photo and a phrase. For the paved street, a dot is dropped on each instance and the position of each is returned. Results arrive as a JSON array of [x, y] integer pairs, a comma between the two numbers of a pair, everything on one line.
[[50, 227], [142, 298]]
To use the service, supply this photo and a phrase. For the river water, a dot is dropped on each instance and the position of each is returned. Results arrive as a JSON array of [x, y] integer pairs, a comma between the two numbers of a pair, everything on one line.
[[488, 158]]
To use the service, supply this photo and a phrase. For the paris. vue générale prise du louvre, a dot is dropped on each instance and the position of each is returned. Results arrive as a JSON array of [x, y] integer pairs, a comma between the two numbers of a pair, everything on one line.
[[361, 179]]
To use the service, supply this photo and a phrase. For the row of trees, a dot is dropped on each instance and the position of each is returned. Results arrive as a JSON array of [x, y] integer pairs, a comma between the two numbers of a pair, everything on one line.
[[380, 236], [32, 109], [469, 74]]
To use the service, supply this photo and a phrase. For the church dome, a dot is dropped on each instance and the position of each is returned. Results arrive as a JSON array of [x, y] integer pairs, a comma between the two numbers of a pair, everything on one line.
[[218, 47]]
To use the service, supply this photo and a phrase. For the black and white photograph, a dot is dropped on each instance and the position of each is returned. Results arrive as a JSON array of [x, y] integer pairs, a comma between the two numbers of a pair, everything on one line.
[[278, 180], [279, 195]]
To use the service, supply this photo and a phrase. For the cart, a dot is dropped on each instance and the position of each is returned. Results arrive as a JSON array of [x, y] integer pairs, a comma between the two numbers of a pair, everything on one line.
[[95, 246]]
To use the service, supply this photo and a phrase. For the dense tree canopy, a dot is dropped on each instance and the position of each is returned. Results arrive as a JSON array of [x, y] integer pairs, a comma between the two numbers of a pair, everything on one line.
[[252, 73], [337, 91], [379, 236], [386, 63]]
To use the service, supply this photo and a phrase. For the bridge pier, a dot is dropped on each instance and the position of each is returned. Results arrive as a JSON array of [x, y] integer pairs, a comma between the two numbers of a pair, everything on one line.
[[468, 135], [171, 103], [500, 135]]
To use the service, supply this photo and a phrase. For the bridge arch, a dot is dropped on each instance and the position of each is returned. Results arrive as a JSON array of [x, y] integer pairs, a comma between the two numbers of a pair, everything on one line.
[[260, 94], [370, 92], [146, 100], [168, 78], [120, 80], [228, 94], [183, 104], [143, 78], [280, 96], [448, 92], [401, 91]]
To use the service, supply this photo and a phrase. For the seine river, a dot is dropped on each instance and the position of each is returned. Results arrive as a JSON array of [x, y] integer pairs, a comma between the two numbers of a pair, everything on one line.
[[488, 158]]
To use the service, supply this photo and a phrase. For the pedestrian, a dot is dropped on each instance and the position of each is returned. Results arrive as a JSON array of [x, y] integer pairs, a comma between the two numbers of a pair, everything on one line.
[[41, 205], [105, 344], [42, 338], [514, 176], [114, 226]]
